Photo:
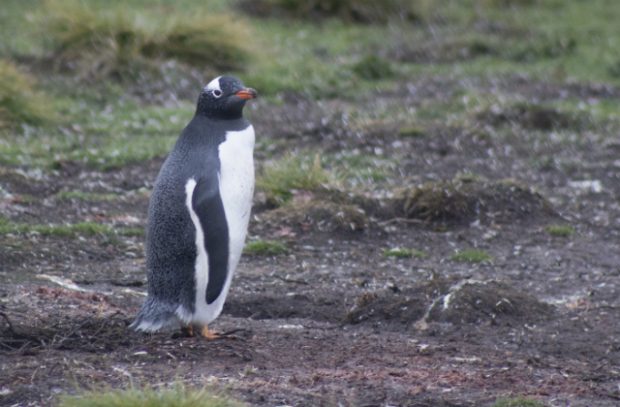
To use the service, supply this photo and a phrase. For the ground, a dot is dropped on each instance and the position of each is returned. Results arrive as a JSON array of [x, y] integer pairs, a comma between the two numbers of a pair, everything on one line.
[[461, 245], [334, 320]]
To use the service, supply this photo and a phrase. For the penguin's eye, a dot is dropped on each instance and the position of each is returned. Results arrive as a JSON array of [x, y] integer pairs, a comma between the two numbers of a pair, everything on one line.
[[216, 93]]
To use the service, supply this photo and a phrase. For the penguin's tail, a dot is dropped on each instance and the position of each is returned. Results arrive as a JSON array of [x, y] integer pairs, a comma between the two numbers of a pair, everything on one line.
[[156, 316]]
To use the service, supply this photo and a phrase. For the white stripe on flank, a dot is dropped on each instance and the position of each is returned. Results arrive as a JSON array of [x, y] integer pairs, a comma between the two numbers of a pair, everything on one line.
[[201, 268]]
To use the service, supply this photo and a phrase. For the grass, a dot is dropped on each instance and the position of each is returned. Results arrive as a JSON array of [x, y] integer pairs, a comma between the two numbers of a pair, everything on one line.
[[71, 230], [372, 67], [563, 38], [283, 65], [177, 396], [412, 131], [116, 40], [20, 101], [124, 133], [517, 402], [357, 169], [265, 248], [294, 172], [567, 40], [357, 11], [560, 230], [552, 39], [404, 253], [471, 256]]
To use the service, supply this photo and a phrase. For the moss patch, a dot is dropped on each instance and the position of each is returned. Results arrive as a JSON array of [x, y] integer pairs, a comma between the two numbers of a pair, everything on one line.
[[517, 402], [560, 230], [372, 67], [265, 248], [471, 256], [176, 396], [412, 131], [404, 253], [68, 230]]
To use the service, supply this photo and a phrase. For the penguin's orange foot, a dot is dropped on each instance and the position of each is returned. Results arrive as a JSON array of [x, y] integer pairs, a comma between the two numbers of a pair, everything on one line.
[[209, 334]]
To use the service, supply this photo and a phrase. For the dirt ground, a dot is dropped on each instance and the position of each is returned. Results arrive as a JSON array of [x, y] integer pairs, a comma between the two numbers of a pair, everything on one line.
[[334, 321]]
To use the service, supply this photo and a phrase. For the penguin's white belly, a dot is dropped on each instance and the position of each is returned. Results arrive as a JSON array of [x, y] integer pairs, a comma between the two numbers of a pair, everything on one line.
[[236, 184], [237, 189]]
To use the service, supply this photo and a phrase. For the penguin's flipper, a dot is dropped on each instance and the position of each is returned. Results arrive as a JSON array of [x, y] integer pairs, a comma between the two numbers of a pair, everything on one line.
[[207, 203]]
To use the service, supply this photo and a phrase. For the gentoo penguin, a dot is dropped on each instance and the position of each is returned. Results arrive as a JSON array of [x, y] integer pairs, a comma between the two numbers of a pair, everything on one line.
[[198, 213]]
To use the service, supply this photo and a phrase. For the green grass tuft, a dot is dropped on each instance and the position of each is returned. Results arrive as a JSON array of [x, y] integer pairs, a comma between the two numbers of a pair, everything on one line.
[[471, 256], [265, 248], [20, 102], [71, 230], [372, 67], [177, 396], [281, 178], [117, 41], [614, 69], [560, 230], [518, 402], [404, 253], [412, 131]]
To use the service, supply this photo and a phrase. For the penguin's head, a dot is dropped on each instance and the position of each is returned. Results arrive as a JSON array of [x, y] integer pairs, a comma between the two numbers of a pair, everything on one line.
[[224, 98]]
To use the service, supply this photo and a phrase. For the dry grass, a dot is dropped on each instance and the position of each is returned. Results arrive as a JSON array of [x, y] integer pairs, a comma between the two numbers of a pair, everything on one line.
[[20, 101], [116, 41], [468, 198]]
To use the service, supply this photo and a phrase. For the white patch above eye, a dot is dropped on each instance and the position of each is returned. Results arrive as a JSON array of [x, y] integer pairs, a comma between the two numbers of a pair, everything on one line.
[[214, 84]]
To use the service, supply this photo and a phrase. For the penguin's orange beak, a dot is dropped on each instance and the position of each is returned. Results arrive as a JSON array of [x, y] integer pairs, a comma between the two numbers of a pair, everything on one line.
[[247, 93]]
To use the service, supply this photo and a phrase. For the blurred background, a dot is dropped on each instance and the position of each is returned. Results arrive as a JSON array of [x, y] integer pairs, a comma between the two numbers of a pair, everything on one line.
[[62, 58]]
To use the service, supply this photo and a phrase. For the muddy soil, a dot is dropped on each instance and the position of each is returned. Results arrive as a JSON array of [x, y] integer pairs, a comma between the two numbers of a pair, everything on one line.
[[334, 321]]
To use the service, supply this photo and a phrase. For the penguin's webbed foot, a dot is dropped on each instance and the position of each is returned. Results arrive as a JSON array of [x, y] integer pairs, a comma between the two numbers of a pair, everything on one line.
[[208, 334], [190, 331]]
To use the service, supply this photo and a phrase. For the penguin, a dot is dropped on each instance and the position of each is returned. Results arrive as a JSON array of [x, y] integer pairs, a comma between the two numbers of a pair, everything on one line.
[[198, 214]]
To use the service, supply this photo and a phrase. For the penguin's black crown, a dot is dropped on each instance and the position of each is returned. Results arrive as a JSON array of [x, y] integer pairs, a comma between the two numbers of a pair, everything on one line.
[[224, 98]]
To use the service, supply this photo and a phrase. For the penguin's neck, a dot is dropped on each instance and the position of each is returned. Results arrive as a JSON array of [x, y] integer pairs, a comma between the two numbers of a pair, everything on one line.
[[203, 108], [205, 130]]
